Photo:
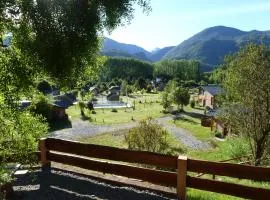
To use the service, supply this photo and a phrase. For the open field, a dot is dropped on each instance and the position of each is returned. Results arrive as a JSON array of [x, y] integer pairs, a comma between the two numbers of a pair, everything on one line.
[[145, 106]]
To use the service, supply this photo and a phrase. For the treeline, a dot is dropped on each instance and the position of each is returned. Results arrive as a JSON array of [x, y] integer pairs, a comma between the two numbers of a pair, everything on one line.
[[126, 68], [183, 69], [132, 69]]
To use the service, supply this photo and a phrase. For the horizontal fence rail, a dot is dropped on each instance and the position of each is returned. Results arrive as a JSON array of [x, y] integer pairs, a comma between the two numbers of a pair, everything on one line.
[[111, 153], [229, 169], [173, 170], [149, 175]]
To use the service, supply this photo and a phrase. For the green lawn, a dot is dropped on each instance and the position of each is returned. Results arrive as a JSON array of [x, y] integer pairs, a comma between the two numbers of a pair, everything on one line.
[[192, 123], [149, 107], [117, 139]]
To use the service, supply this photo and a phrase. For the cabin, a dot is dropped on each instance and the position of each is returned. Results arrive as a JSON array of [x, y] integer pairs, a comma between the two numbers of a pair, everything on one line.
[[114, 93], [215, 123], [207, 96], [61, 103]]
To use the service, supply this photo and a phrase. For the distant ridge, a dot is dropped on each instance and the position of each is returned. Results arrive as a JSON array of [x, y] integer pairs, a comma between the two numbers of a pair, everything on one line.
[[212, 44], [209, 46]]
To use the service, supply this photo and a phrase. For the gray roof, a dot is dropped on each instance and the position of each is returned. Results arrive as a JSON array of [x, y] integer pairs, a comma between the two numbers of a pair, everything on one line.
[[214, 90]]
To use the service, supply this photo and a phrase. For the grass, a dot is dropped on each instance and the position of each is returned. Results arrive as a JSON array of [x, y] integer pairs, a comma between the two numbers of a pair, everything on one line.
[[193, 125], [117, 139], [148, 108], [112, 139], [189, 121]]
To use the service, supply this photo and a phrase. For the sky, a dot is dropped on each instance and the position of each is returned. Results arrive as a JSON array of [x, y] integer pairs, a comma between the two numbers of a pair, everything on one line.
[[172, 21]]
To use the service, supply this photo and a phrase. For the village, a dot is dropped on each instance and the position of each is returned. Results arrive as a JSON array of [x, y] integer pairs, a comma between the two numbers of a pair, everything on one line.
[[134, 99]]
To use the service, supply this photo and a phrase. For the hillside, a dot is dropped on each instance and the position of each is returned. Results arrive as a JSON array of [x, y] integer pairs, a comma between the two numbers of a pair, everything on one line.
[[212, 44], [209, 46], [113, 48]]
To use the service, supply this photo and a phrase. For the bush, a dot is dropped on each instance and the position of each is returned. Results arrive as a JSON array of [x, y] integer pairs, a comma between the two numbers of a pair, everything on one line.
[[40, 106], [94, 112], [114, 110], [148, 136], [90, 105], [218, 135], [238, 146], [192, 104]]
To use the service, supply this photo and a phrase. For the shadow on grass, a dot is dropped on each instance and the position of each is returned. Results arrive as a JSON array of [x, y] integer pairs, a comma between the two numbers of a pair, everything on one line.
[[61, 184], [200, 108], [59, 124], [194, 115], [181, 118]]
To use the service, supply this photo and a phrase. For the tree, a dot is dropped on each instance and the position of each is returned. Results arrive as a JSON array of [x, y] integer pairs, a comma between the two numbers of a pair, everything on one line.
[[181, 97], [166, 100], [58, 39], [141, 83], [63, 36], [148, 136], [247, 85]]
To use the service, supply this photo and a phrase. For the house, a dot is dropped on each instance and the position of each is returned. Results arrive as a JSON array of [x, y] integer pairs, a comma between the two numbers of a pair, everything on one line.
[[114, 93], [207, 96], [61, 103], [211, 120]]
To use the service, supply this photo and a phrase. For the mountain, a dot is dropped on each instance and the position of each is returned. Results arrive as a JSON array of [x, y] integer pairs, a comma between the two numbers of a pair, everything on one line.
[[212, 44], [116, 49], [157, 55], [111, 45]]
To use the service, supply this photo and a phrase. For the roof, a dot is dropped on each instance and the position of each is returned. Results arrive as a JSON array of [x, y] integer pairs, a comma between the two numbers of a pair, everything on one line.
[[214, 90], [64, 101], [115, 88]]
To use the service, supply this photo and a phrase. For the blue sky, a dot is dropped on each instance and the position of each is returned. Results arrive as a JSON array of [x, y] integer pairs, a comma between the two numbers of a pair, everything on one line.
[[172, 21]]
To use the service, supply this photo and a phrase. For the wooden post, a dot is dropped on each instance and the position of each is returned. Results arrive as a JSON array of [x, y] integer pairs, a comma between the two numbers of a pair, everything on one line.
[[181, 177], [43, 153]]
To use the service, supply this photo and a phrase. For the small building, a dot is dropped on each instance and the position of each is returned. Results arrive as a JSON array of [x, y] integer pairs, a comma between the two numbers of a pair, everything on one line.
[[207, 96], [210, 120], [114, 93], [61, 103]]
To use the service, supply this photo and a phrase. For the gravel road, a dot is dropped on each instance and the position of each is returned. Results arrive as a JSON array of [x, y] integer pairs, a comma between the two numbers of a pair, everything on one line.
[[183, 135], [82, 129], [60, 184]]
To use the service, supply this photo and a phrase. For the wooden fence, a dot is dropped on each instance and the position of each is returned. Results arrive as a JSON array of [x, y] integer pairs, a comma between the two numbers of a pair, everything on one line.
[[174, 173]]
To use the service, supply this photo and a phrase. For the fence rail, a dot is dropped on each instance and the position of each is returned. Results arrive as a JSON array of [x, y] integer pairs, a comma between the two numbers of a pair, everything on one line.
[[174, 169]]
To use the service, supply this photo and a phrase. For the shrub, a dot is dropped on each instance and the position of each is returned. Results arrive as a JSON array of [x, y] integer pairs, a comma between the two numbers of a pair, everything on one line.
[[218, 134], [94, 112], [148, 136], [90, 105], [40, 106], [192, 104], [114, 110], [237, 146]]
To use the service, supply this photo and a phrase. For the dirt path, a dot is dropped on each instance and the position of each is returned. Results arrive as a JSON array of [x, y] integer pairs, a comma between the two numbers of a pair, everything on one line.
[[183, 135], [82, 128]]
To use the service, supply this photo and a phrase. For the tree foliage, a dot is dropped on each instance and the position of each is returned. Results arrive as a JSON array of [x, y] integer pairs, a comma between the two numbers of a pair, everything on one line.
[[181, 97], [247, 85], [148, 136], [57, 38], [127, 69], [182, 69], [63, 36]]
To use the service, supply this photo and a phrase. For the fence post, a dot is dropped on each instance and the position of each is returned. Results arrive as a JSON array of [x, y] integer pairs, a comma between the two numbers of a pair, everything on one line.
[[43, 154], [181, 177]]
